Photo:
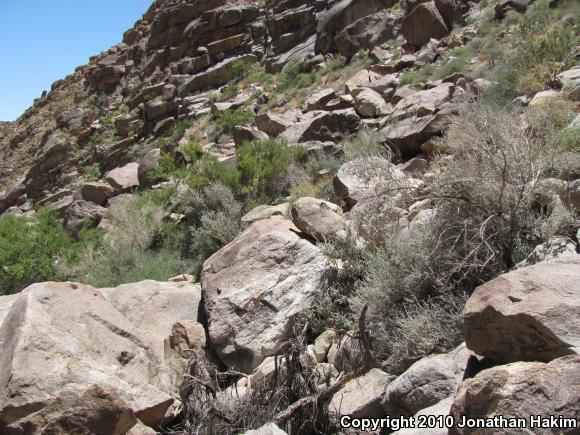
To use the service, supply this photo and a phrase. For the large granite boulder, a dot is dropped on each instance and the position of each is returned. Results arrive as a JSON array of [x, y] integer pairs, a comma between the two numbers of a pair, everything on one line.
[[522, 390], [60, 340], [254, 287], [530, 314]]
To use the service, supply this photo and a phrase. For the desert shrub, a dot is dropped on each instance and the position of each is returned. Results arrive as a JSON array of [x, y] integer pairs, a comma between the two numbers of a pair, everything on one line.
[[232, 118], [291, 77], [367, 143], [30, 249], [214, 216], [139, 243]]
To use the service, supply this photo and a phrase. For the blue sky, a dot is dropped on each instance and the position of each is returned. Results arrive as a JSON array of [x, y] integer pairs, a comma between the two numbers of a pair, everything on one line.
[[42, 41]]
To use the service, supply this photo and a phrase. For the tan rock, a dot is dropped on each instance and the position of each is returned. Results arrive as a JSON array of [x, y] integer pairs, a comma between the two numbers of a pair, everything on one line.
[[440, 409], [423, 23], [360, 397], [370, 104], [124, 178], [520, 390], [83, 341], [97, 192], [319, 99], [267, 211], [319, 219], [528, 314], [255, 286], [323, 343]]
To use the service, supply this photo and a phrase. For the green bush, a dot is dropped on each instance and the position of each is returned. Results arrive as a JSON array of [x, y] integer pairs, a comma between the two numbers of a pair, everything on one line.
[[292, 78], [232, 118], [31, 248]]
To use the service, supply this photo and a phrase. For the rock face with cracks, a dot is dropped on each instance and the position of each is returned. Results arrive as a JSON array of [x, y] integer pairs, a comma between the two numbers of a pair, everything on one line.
[[255, 286]]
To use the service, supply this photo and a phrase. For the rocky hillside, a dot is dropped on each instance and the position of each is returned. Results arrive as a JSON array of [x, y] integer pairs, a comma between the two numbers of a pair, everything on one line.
[[279, 217]]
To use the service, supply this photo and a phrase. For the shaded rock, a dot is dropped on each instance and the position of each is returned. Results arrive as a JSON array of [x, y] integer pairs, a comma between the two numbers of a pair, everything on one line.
[[255, 286], [124, 178], [319, 219], [520, 390], [273, 124], [423, 23], [428, 381], [452, 11], [503, 6], [325, 126], [360, 397], [84, 341], [148, 167], [97, 192], [82, 214], [95, 410], [323, 343], [247, 134], [366, 33], [410, 134], [267, 211], [528, 314], [370, 104]]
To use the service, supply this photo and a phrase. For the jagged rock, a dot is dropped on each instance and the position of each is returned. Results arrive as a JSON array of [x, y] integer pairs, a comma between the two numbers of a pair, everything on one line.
[[105, 77], [363, 178], [155, 110], [269, 429], [267, 211], [96, 410], [521, 390], [217, 75], [84, 341], [97, 192], [368, 79], [82, 214], [319, 219], [124, 178], [428, 381], [527, 314], [147, 168], [423, 23], [325, 126], [370, 104], [360, 397], [366, 33], [410, 134], [319, 99], [254, 287], [247, 134]]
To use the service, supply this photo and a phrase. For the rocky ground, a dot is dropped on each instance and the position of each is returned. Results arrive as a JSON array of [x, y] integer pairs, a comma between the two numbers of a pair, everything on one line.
[[374, 207]]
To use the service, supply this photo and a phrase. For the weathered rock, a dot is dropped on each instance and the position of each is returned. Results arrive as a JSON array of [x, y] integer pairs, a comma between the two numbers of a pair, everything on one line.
[[423, 23], [84, 341], [529, 314], [426, 382], [325, 126], [520, 390], [147, 168], [363, 178], [319, 99], [319, 219], [82, 214], [370, 104], [273, 124], [544, 96], [247, 134], [425, 102], [440, 409], [6, 303], [452, 11], [360, 398], [267, 211], [410, 134], [255, 286], [124, 178], [323, 343], [552, 249], [366, 33], [95, 410], [97, 192]]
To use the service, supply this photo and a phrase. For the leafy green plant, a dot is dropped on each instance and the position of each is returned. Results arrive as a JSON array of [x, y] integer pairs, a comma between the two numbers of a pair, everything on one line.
[[232, 118]]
